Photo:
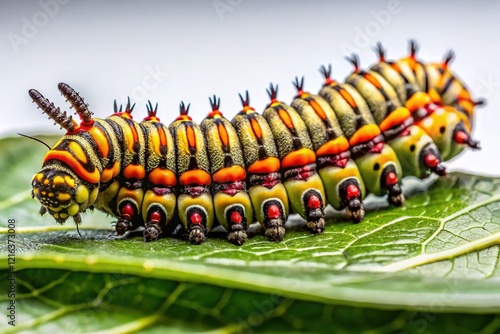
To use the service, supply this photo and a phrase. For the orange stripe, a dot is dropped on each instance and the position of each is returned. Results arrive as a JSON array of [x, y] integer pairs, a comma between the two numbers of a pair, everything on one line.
[[348, 97], [224, 137], [162, 135], [285, 117], [100, 140], [129, 137], [135, 135], [109, 173], [195, 176], [317, 109], [364, 134], [332, 147], [164, 177], [230, 174], [78, 169], [398, 116], [373, 80], [435, 97], [417, 101], [256, 128], [191, 137], [299, 158], [134, 172], [267, 165]]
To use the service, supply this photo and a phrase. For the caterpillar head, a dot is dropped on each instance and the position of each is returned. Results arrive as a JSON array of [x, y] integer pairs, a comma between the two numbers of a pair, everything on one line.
[[57, 187], [61, 194]]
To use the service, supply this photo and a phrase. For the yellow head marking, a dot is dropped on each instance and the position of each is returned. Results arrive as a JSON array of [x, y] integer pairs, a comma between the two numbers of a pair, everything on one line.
[[63, 197], [82, 194], [58, 180], [73, 209], [70, 182]]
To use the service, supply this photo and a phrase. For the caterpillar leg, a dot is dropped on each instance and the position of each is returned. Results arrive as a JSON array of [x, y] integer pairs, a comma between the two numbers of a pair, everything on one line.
[[233, 211], [351, 194], [382, 173], [417, 153], [345, 189], [391, 183], [197, 215], [129, 210], [271, 209], [307, 196], [158, 210]]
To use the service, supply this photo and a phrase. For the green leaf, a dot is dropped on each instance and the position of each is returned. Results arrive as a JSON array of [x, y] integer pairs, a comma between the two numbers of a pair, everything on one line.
[[429, 266]]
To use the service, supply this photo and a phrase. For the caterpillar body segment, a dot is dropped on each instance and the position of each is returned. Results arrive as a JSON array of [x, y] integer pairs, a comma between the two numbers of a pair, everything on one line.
[[382, 100], [267, 192], [344, 186], [127, 203], [377, 162], [414, 148], [160, 200], [233, 207], [298, 162], [194, 202]]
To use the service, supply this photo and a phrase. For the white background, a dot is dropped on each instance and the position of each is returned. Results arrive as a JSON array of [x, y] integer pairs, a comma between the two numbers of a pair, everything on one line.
[[199, 48]]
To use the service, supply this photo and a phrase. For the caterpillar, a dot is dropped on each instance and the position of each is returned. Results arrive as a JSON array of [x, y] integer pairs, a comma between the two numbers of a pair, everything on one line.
[[396, 119]]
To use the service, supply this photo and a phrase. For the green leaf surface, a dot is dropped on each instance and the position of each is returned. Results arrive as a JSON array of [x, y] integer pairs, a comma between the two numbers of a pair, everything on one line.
[[429, 266]]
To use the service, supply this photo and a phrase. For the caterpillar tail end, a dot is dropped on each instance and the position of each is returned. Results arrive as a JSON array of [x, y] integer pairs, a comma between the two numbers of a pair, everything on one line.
[[396, 196]]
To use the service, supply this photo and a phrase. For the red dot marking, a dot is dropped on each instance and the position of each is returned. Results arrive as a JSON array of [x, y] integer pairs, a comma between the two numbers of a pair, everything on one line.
[[127, 211], [313, 202], [196, 218], [273, 211], [155, 217], [431, 160], [352, 191], [391, 179], [236, 217]]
